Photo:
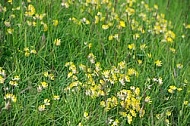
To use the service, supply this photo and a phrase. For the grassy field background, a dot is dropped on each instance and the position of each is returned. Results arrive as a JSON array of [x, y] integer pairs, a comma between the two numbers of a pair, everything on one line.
[[95, 62]]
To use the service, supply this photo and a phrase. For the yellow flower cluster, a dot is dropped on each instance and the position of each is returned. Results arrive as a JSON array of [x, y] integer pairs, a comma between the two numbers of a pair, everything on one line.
[[148, 20], [98, 82], [14, 81], [173, 88], [11, 97], [28, 51]]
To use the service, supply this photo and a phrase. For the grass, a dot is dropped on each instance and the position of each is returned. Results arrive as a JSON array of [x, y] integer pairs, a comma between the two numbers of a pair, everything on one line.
[[86, 63]]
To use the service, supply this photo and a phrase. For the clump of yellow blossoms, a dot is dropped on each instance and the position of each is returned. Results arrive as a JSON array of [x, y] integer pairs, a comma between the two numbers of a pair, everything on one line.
[[109, 84]]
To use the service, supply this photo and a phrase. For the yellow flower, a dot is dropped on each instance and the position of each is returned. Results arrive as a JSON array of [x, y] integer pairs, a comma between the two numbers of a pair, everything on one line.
[[86, 115], [179, 89], [143, 46], [133, 113], [56, 97], [10, 31], [30, 10], [45, 27], [158, 116], [110, 37], [10, 1], [179, 66], [7, 23], [80, 124], [168, 113], [187, 26], [33, 51], [122, 24], [115, 123], [10, 96], [173, 87], [51, 76], [57, 42], [41, 108], [105, 27], [2, 80], [96, 19], [46, 101], [103, 104], [172, 50], [148, 100], [185, 102], [129, 118], [44, 84], [46, 74], [123, 114], [167, 121], [156, 6], [139, 62], [170, 91], [13, 83], [55, 22], [131, 46], [158, 63]]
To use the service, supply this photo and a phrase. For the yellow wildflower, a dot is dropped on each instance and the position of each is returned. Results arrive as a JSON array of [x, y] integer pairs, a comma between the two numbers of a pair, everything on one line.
[[148, 100], [105, 27], [131, 46], [168, 113], [10, 1], [56, 97], [57, 42], [55, 22], [158, 63], [41, 108], [115, 123], [123, 114], [10, 31], [44, 84], [30, 10], [129, 118], [122, 24], [86, 115], [187, 26], [46, 101], [179, 66], [185, 102]]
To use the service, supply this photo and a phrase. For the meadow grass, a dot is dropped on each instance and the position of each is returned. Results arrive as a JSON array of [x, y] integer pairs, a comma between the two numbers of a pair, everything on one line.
[[95, 62]]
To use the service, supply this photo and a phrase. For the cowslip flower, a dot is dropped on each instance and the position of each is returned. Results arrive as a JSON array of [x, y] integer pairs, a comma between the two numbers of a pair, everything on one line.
[[148, 100], [129, 118], [179, 66], [86, 116], [10, 31], [56, 97], [2, 80], [41, 108], [105, 27], [57, 42], [10, 96], [115, 122], [122, 24], [55, 22], [172, 89], [46, 101], [185, 102], [10, 1], [30, 10], [158, 63], [44, 84]]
